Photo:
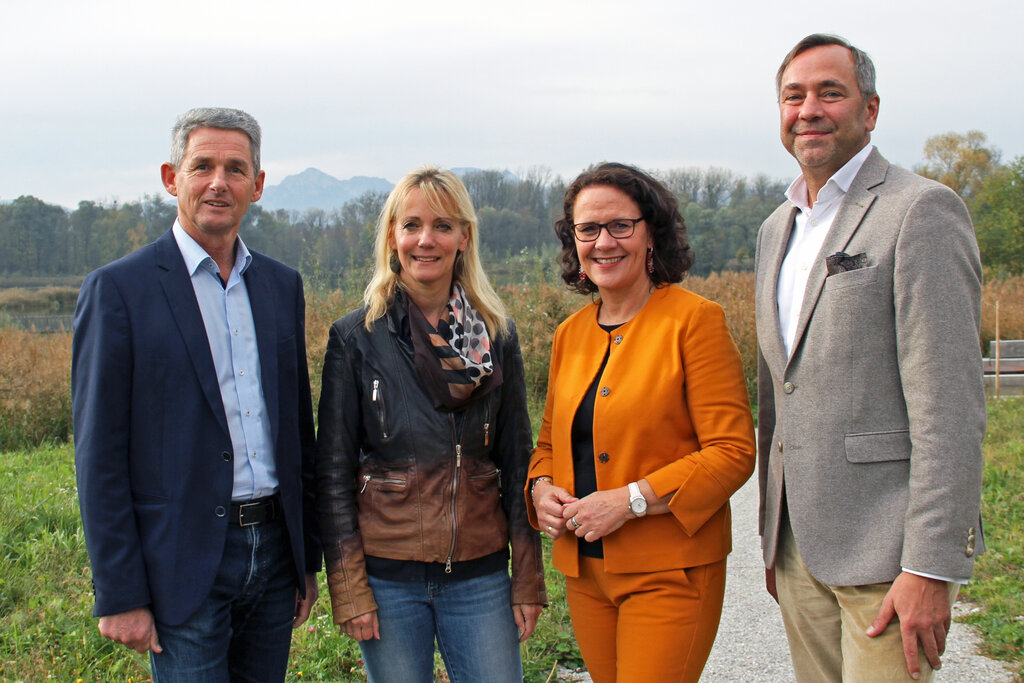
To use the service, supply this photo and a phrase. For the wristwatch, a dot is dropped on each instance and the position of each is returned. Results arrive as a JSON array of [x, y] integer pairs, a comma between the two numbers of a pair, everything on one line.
[[637, 502]]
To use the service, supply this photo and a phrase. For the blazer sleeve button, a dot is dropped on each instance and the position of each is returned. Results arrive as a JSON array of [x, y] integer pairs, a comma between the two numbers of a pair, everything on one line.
[[220, 511]]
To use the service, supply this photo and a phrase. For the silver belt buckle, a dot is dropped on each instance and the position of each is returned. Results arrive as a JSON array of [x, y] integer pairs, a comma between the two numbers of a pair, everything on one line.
[[241, 514]]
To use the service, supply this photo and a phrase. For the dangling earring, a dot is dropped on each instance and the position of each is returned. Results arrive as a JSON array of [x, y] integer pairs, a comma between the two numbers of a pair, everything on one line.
[[396, 265], [583, 275], [650, 261]]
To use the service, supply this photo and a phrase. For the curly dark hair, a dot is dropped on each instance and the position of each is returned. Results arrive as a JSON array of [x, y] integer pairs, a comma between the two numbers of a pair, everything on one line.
[[659, 208]]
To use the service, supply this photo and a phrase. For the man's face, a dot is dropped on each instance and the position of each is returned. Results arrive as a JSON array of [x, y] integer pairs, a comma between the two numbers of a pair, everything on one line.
[[825, 120], [215, 183]]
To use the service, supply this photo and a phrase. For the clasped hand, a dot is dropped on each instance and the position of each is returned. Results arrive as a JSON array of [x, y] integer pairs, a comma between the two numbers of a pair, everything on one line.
[[592, 517]]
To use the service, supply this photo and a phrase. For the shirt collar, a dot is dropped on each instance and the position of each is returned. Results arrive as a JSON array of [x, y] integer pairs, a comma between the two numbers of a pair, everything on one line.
[[195, 255], [837, 186]]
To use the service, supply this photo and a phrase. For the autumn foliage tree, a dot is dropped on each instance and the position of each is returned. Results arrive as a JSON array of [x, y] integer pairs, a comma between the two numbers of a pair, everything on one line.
[[959, 161]]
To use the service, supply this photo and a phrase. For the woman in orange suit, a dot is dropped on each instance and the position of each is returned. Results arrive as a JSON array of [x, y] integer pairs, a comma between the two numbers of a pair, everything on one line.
[[646, 433]]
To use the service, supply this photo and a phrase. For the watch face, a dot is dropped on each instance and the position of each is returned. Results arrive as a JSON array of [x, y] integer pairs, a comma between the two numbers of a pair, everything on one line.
[[638, 506]]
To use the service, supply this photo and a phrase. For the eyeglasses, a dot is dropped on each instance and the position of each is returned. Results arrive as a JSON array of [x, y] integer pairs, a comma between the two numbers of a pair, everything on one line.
[[620, 229]]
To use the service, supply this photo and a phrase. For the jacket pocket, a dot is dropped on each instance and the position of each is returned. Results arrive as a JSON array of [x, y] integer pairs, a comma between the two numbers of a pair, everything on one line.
[[878, 446], [482, 481], [386, 513], [852, 278]]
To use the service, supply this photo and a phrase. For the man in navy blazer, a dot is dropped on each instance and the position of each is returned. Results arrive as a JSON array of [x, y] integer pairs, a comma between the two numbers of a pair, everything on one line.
[[194, 428]]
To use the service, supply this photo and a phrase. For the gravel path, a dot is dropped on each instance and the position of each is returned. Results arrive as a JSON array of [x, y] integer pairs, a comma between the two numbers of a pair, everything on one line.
[[751, 644]]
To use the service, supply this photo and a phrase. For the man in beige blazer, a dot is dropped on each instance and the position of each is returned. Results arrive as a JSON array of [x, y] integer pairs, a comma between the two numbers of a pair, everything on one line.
[[871, 405]]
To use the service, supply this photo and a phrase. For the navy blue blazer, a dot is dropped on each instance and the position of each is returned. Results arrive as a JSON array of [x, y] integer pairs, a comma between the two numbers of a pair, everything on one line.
[[152, 448]]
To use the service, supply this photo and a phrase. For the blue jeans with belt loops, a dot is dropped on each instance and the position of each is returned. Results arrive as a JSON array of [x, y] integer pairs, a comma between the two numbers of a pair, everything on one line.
[[242, 631], [471, 620]]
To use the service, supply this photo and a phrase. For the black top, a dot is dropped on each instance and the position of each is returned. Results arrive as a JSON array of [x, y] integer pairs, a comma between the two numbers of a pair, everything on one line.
[[584, 472]]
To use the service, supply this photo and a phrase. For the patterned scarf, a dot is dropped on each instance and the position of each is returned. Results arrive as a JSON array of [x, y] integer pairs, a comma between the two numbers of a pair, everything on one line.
[[454, 361]]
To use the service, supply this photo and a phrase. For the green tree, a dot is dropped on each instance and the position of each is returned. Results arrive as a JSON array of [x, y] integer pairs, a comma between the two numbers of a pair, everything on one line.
[[998, 210], [961, 162]]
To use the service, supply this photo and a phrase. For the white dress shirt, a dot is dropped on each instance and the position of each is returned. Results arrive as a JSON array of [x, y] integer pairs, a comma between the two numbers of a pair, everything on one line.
[[809, 230]]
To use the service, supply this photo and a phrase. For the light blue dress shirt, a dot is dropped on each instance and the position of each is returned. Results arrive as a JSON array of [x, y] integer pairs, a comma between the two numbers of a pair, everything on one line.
[[227, 316]]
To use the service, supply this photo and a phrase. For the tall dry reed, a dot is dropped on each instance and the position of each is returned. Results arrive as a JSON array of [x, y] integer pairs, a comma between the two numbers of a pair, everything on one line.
[[1009, 292], [35, 399], [35, 388]]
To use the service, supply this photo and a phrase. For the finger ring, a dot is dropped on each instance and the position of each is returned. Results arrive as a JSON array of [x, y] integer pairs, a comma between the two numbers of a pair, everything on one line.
[[575, 524], [551, 530]]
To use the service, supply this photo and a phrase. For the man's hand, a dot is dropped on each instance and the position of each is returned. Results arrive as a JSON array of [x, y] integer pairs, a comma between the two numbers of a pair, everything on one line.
[[135, 628], [922, 605], [363, 627], [526, 619], [303, 606]]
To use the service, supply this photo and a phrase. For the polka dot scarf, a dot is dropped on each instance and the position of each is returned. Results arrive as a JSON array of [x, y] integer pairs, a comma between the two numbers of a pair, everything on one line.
[[454, 361]]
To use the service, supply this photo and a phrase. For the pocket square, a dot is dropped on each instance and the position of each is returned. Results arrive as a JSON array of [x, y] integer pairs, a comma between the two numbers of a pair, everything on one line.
[[840, 262]]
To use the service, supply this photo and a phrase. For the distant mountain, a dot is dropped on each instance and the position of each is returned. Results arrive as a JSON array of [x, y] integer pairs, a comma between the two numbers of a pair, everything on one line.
[[463, 170], [315, 189]]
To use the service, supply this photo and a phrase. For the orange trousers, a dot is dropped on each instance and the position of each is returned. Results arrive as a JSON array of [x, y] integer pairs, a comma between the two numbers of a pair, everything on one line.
[[656, 626]]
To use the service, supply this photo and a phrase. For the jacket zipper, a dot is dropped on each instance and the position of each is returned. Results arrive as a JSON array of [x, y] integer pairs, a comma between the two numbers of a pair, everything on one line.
[[457, 440], [377, 397], [487, 425]]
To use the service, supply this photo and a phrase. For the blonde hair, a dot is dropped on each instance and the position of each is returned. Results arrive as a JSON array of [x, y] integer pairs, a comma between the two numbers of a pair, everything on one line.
[[446, 196]]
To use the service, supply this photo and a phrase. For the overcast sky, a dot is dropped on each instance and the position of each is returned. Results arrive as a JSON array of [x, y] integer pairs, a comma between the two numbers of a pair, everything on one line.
[[90, 90]]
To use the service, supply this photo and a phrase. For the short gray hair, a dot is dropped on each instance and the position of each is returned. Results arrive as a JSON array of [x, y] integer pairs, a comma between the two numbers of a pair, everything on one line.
[[214, 117], [863, 68]]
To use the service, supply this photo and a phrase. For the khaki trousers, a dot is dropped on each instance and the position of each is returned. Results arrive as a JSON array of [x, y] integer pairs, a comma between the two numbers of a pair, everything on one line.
[[826, 625], [639, 628]]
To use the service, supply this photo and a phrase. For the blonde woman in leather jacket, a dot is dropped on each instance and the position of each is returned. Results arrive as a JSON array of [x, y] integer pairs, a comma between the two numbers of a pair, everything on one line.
[[423, 448]]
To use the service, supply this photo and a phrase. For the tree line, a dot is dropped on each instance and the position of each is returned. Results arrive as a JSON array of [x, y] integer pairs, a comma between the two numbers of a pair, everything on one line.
[[723, 211]]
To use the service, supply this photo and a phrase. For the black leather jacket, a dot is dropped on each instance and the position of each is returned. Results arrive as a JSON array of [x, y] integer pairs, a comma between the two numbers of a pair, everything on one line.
[[399, 479]]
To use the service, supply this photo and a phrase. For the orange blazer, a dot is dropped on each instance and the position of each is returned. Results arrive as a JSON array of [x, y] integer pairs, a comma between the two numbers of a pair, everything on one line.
[[672, 408]]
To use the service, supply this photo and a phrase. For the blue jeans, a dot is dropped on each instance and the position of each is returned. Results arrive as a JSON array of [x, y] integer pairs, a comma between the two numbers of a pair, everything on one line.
[[471, 619], [243, 630]]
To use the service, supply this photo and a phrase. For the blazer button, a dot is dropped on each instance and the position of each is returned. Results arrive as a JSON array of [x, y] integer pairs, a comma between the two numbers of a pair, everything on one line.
[[605, 391], [618, 339], [603, 457], [788, 387], [780, 447], [220, 511], [226, 456]]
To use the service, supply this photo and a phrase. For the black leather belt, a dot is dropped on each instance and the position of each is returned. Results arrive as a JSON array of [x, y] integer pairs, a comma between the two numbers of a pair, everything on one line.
[[255, 511]]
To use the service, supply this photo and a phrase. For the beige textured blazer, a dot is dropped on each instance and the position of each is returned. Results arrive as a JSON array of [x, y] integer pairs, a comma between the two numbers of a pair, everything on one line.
[[874, 426]]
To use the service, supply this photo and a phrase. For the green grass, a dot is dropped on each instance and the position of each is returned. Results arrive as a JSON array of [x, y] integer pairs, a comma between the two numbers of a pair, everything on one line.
[[47, 631], [999, 573]]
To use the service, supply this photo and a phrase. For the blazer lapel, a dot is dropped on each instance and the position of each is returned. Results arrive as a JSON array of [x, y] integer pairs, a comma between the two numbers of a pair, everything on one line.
[[774, 244], [264, 317], [851, 213], [181, 298]]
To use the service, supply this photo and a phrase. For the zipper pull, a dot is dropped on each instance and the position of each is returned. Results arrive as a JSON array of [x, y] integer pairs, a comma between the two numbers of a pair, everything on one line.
[[448, 566], [373, 397], [366, 480], [458, 455], [487, 433]]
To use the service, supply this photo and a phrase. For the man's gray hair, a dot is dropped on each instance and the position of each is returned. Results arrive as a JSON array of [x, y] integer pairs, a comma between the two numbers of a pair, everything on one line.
[[863, 68], [214, 117]]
